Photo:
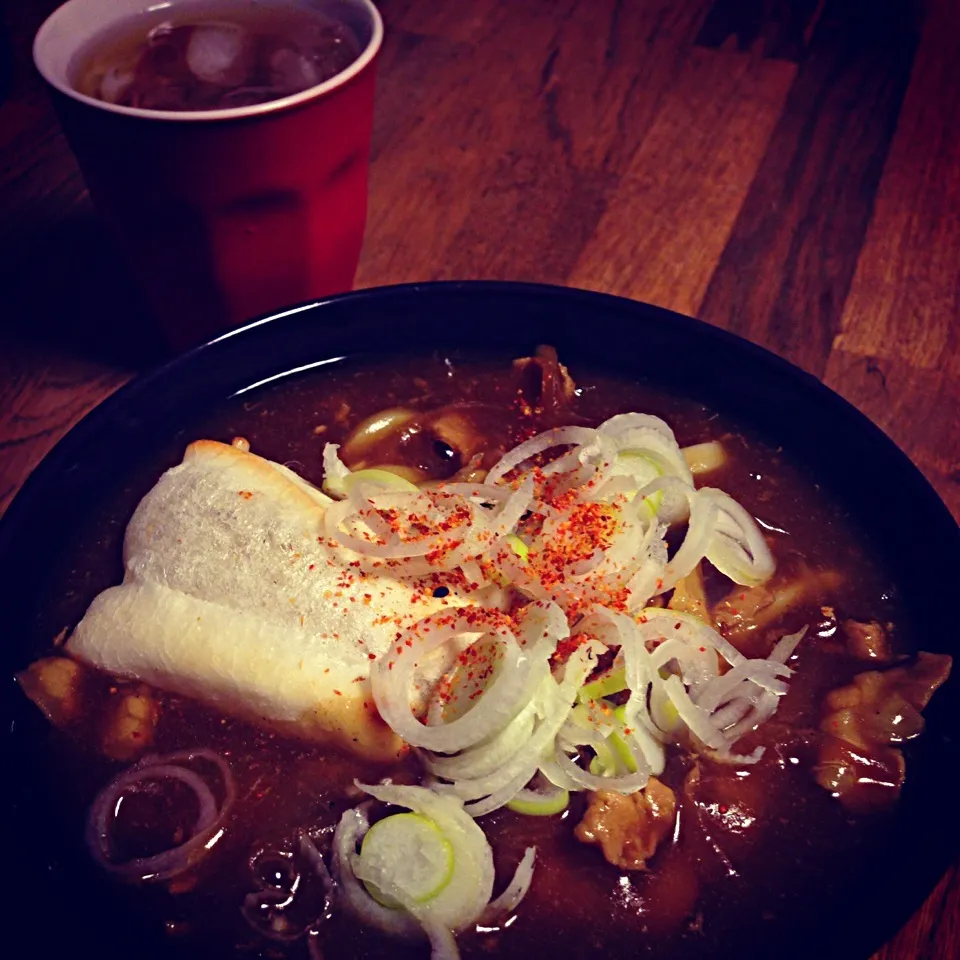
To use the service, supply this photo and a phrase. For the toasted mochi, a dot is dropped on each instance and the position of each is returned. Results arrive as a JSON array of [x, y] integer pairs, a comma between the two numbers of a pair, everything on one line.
[[231, 596]]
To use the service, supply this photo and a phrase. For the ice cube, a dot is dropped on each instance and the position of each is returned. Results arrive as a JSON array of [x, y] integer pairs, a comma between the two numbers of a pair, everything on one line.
[[114, 84], [292, 71], [160, 34], [219, 53]]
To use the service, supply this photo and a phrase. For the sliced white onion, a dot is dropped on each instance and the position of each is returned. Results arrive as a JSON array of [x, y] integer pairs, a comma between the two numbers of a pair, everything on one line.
[[335, 471], [463, 898], [682, 675], [551, 770], [508, 901], [620, 783], [676, 622], [651, 437], [459, 526], [524, 763], [504, 506], [542, 625], [698, 721], [785, 646], [737, 548], [558, 437], [488, 756], [545, 800], [351, 829], [641, 742], [700, 530], [617, 426], [500, 797], [472, 573], [393, 675], [454, 525], [763, 673]]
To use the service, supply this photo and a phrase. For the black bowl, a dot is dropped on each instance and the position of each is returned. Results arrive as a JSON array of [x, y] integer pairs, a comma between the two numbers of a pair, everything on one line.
[[59, 904]]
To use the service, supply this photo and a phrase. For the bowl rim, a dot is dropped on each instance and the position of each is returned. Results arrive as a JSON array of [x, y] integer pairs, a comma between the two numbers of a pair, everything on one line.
[[73, 438]]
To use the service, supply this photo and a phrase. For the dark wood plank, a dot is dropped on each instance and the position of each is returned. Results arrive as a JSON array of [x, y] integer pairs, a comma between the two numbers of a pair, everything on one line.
[[780, 29], [542, 143], [41, 402], [933, 932], [919, 409], [897, 355], [786, 271], [666, 225], [910, 257]]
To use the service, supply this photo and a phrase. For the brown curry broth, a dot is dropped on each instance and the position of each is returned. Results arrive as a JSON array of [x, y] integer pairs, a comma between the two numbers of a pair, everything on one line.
[[752, 845]]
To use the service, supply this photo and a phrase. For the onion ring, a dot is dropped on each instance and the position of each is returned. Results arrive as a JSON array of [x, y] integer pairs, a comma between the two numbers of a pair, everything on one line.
[[177, 859]]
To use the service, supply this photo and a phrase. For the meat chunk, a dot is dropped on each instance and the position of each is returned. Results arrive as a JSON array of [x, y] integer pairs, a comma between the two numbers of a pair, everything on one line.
[[54, 685], [884, 706], [867, 641], [130, 725], [746, 611], [860, 779], [628, 829], [543, 381], [726, 812], [866, 721]]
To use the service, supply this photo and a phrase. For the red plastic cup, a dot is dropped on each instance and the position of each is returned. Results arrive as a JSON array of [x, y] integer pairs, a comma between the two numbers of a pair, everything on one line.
[[224, 214]]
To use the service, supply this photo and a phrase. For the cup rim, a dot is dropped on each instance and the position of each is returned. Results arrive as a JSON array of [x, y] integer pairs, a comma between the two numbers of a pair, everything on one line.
[[366, 56]]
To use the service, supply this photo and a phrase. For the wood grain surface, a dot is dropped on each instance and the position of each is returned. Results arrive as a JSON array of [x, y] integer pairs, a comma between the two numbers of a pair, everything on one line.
[[787, 169]]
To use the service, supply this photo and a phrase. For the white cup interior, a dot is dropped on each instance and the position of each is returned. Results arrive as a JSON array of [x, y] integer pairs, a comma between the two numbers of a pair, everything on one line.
[[71, 27]]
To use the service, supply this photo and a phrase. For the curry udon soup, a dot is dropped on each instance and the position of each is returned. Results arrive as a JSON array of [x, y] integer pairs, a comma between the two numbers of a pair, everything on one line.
[[434, 657]]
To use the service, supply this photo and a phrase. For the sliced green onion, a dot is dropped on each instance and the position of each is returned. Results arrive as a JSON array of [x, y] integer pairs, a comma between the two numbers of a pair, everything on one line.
[[518, 546], [625, 757], [619, 745], [649, 505], [411, 850], [643, 467], [540, 803], [520, 550], [614, 756], [613, 682], [604, 764], [386, 478]]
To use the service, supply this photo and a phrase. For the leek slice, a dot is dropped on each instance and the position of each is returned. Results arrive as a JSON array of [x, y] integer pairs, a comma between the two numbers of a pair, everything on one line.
[[385, 478], [411, 850], [520, 550], [540, 803], [619, 745], [614, 757], [643, 467], [613, 682], [518, 547]]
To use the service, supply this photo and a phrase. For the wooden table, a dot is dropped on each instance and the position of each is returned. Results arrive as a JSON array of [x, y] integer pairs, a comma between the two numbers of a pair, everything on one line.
[[788, 169]]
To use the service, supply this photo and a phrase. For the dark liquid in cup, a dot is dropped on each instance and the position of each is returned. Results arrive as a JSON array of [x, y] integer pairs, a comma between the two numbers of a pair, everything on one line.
[[214, 55]]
